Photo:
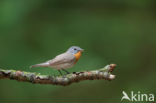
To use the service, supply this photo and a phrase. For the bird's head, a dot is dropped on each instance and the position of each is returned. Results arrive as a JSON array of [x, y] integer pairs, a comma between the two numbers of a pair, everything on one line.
[[76, 51]]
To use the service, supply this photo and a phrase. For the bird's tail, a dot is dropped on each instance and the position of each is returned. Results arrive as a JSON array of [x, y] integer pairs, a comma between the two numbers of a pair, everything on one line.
[[40, 65]]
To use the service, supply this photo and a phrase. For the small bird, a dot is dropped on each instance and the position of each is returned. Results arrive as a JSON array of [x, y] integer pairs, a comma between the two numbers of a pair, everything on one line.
[[63, 61]]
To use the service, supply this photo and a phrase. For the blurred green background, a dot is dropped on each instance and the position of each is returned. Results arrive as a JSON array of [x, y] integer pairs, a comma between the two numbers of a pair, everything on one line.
[[117, 31]]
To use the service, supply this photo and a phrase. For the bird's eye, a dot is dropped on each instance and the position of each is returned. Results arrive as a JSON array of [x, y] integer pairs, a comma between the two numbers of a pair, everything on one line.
[[74, 48]]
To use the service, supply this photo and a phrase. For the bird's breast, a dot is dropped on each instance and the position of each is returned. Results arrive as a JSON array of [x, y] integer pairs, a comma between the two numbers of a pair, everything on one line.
[[77, 55]]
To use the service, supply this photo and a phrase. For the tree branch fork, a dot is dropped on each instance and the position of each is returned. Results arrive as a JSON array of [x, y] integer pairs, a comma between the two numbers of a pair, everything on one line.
[[37, 78]]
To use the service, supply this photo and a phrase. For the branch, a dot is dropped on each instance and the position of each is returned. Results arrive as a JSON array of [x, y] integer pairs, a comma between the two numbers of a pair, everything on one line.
[[103, 73]]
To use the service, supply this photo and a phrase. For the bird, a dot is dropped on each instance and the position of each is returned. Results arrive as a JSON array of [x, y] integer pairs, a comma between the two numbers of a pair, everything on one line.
[[63, 61]]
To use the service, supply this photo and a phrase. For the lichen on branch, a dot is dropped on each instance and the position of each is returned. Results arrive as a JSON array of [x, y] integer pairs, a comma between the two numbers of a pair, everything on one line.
[[103, 73]]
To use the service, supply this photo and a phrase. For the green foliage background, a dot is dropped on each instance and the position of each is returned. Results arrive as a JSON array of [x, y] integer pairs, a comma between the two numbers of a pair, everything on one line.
[[110, 31]]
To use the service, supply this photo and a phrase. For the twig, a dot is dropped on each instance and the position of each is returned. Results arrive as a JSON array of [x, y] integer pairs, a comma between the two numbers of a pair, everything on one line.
[[103, 73]]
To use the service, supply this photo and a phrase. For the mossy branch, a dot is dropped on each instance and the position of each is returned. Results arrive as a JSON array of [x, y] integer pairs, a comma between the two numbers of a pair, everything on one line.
[[103, 73]]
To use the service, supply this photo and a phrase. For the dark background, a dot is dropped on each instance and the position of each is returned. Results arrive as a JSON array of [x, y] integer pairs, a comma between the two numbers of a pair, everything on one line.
[[117, 31]]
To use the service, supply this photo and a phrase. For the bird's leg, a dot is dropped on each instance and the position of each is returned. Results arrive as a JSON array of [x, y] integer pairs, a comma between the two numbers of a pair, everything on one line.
[[60, 72], [66, 71]]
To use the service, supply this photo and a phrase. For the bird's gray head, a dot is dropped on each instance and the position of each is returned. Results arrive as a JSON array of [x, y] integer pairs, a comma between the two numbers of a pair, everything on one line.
[[74, 49]]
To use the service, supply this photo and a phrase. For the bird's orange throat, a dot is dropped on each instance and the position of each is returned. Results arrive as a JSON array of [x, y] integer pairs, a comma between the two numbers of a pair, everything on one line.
[[78, 55]]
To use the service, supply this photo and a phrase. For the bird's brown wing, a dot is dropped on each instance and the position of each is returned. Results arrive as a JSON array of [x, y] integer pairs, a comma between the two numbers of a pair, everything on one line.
[[62, 58]]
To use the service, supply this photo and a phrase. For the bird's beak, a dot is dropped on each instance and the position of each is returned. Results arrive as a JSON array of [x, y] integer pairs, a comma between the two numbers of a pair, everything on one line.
[[82, 50]]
